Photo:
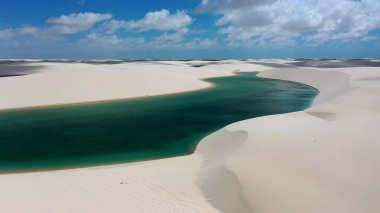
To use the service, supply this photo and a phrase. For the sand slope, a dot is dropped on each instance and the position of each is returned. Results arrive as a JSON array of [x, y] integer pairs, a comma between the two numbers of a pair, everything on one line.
[[66, 83], [155, 186], [325, 159]]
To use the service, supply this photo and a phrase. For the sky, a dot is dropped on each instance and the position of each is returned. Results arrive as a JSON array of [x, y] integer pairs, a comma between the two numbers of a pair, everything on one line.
[[189, 29]]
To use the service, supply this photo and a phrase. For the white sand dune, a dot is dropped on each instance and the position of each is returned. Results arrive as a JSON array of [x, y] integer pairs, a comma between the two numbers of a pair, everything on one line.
[[66, 83], [323, 159]]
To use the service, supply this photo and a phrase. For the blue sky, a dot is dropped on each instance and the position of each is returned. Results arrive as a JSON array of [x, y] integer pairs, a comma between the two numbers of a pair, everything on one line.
[[189, 29]]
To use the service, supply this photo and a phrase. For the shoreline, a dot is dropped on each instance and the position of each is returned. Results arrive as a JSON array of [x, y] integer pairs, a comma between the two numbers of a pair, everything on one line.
[[137, 98], [204, 80]]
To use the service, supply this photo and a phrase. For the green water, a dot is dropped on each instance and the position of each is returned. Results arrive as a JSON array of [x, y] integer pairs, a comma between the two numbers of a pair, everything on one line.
[[140, 129]]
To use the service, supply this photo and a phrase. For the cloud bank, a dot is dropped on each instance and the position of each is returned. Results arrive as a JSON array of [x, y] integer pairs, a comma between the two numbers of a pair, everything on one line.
[[284, 20], [100, 32], [76, 22], [161, 20]]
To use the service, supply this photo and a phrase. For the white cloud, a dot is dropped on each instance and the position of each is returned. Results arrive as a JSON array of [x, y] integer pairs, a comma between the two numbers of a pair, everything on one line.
[[280, 20], [76, 22], [369, 38], [223, 5], [63, 25], [167, 41], [111, 42], [28, 30], [201, 43], [101, 37], [172, 37], [114, 25], [161, 20], [6, 34], [104, 36], [14, 32]]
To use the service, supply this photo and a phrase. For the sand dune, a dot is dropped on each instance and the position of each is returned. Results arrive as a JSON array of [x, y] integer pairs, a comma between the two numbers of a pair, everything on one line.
[[66, 83], [324, 159]]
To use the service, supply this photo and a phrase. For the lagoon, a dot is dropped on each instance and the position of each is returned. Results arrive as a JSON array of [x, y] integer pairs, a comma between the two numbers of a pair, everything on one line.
[[139, 129]]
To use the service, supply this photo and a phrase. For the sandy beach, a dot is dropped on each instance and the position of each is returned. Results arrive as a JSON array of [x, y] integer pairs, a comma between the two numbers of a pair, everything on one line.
[[322, 159]]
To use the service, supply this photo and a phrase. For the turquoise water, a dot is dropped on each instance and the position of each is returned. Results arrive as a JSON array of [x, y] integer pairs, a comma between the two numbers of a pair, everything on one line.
[[139, 129]]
